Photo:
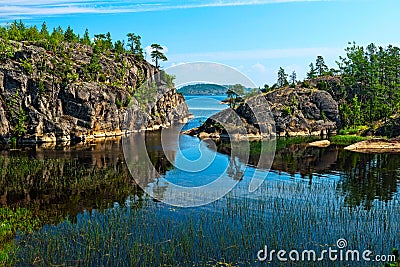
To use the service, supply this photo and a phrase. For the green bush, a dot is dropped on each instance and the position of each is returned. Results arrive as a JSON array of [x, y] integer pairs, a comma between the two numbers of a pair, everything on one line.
[[102, 78], [27, 65], [353, 130], [306, 84], [322, 85], [287, 111], [346, 140], [118, 103]]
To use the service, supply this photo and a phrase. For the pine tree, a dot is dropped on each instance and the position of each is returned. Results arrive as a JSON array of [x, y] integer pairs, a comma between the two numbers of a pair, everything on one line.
[[312, 73], [292, 78], [86, 38], [282, 78], [44, 31], [157, 54], [320, 65], [69, 35], [135, 45]]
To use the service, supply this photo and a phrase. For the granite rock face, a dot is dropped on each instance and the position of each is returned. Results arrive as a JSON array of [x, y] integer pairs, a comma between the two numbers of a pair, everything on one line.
[[303, 111], [283, 112], [47, 96]]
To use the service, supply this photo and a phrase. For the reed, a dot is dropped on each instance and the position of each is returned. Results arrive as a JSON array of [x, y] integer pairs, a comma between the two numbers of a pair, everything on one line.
[[229, 232]]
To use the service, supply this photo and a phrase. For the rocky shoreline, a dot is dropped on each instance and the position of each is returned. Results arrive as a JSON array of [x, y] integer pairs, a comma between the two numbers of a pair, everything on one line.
[[56, 97], [376, 145], [282, 112]]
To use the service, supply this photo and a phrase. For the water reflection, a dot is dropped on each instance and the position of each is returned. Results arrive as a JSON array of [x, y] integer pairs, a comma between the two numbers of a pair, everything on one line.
[[92, 176], [362, 178], [196, 174]]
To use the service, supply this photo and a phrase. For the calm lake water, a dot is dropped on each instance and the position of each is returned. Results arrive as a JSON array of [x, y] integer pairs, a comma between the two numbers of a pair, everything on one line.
[[311, 198]]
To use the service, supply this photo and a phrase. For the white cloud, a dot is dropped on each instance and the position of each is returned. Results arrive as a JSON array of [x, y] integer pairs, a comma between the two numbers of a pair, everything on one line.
[[259, 67], [57, 7]]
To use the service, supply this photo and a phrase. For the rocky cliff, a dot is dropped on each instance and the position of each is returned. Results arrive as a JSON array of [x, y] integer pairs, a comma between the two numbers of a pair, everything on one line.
[[282, 112], [75, 93]]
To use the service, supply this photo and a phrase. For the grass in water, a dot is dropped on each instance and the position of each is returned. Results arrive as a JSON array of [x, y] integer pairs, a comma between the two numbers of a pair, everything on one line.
[[11, 222], [345, 140]]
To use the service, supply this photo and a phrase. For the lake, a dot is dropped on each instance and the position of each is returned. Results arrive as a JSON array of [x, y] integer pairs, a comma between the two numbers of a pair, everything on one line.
[[91, 212]]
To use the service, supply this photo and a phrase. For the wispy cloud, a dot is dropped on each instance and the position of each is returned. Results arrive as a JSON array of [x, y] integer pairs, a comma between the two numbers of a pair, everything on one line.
[[26, 8], [257, 54]]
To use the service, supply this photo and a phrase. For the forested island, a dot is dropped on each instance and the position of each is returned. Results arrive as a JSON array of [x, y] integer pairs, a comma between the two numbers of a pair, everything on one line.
[[203, 89]]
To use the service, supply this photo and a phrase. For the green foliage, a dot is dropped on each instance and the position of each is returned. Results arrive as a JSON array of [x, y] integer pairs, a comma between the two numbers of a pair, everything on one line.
[[292, 78], [94, 67], [168, 78], [358, 130], [44, 32], [320, 66], [119, 47], [282, 78], [72, 77], [287, 111], [322, 85], [396, 263], [157, 54], [266, 88], [128, 101], [235, 94], [312, 73], [135, 45], [295, 102], [5, 255], [306, 84], [6, 50], [102, 43], [20, 127], [145, 94], [27, 65], [70, 36], [86, 38], [346, 140], [118, 103], [41, 87], [203, 89], [102, 78], [323, 116], [251, 93], [371, 84], [13, 220]]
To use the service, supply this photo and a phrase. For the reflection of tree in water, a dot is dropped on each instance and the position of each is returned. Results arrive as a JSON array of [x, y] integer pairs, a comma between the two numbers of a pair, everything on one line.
[[363, 177], [148, 161], [235, 169], [56, 187], [304, 160], [368, 177]]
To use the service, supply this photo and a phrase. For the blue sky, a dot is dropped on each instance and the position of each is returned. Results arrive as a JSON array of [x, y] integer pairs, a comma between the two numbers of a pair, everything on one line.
[[256, 36]]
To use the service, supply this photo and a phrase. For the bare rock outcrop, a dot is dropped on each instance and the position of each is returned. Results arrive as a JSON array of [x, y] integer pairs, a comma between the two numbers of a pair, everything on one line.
[[283, 112]]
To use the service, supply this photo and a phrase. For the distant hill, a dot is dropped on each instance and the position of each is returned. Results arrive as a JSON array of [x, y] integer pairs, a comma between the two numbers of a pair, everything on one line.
[[203, 89], [206, 89]]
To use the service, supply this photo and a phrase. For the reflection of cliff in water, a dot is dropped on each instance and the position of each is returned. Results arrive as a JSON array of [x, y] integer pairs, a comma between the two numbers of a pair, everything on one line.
[[148, 160], [363, 178], [65, 181]]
